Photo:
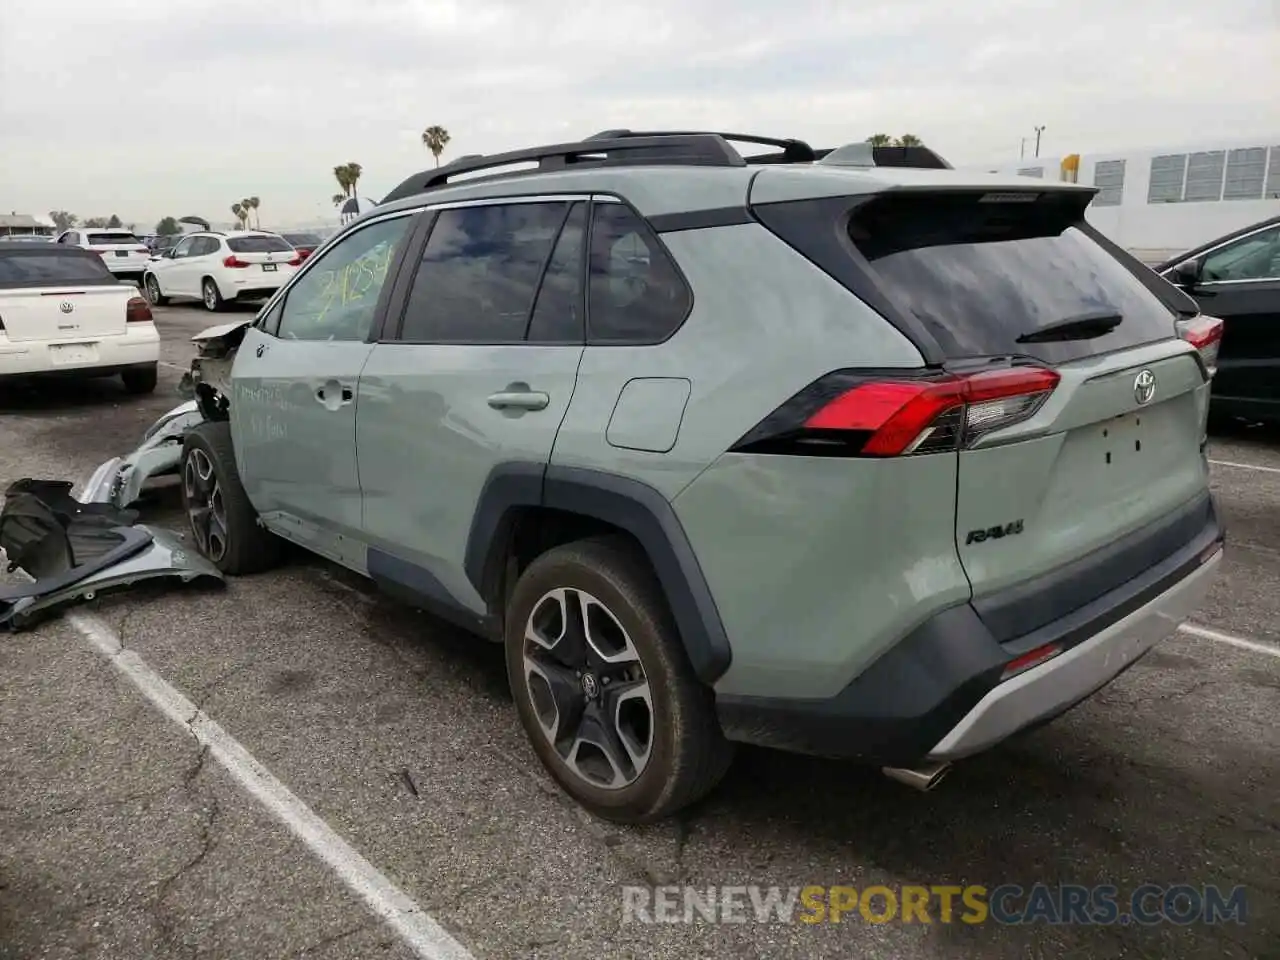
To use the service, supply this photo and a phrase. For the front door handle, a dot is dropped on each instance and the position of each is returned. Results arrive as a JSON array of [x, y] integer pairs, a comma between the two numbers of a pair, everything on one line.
[[519, 400], [334, 395]]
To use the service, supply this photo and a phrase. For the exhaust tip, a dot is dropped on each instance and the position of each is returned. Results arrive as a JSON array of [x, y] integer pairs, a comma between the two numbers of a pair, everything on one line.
[[923, 778]]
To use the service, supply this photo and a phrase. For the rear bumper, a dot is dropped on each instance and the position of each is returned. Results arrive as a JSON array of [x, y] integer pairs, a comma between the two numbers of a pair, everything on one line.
[[938, 694], [139, 346], [254, 283]]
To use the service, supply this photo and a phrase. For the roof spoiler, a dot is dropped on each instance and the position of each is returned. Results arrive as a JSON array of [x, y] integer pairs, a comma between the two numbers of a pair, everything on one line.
[[867, 156]]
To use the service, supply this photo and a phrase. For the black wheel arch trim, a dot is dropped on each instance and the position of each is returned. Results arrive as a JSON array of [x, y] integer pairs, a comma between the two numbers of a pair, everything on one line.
[[628, 504]]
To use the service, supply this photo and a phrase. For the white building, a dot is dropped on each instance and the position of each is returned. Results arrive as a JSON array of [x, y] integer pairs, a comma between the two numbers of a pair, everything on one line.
[[1157, 203]]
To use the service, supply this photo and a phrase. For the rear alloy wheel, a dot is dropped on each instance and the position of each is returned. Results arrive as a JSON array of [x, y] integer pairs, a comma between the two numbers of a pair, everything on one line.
[[211, 296], [223, 522], [152, 286], [603, 686]]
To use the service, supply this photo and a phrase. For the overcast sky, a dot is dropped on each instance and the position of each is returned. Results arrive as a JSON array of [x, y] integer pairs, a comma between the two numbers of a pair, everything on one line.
[[152, 107]]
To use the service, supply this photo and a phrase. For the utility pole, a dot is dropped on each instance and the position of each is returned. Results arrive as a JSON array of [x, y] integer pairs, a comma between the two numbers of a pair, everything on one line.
[[1039, 130], [1022, 150]]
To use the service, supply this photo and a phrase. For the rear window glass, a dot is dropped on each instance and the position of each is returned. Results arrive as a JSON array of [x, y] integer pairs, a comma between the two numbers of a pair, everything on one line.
[[306, 239], [54, 267], [98, 239], [980, 275], [258, 245]]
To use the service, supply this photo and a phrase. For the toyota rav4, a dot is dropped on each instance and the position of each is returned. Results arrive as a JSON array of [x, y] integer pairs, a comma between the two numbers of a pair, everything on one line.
[[842, 452]]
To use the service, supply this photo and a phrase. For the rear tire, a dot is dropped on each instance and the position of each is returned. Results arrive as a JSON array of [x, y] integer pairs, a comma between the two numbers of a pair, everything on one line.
[[152, 287], [632, 734], [211, 296], [223, 522], [140, 380]]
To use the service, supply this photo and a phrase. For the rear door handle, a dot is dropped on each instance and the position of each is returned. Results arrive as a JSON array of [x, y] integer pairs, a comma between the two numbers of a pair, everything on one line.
[[519, 400]]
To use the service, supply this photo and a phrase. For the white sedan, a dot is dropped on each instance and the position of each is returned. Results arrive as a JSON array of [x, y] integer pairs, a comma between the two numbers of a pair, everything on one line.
[[62, 312], [215, 267]]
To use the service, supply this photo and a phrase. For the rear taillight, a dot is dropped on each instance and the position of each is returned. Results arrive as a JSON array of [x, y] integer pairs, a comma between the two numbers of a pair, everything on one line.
[[137, 310], [141, 250], [297, 260], [850, 414], [1205, 334], [234, 261]]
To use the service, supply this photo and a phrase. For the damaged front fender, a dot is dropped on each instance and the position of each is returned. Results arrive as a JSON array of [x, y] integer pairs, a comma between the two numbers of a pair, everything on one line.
[[120, 480]]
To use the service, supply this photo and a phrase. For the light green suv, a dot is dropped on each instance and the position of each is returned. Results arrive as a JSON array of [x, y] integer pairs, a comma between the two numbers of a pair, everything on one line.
[[839, 452]]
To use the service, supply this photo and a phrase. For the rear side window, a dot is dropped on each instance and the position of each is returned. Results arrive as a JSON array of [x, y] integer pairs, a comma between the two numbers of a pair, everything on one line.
[[52, 267], [981, 275], [635, 293], [99, 239], [479, 273], [258, 245]]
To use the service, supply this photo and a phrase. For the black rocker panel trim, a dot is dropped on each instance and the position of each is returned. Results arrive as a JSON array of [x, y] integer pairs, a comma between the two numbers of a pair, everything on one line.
[[419, 587], [628, 504]]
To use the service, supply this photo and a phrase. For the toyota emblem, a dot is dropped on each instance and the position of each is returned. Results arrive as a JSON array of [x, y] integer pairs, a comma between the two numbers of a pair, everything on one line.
[[66, 306], [1144, 387]]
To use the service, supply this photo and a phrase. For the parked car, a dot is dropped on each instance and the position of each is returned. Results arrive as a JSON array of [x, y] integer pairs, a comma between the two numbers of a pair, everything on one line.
[[163, 245], [304, 243], [216, 268], [123, 253], [1237, 278], [829, 456], [62, 312]]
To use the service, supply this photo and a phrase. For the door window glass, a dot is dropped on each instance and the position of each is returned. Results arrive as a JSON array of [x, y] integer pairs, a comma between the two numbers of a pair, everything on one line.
[[1256, 257], [337, 297], [479, 273], [558, 314]]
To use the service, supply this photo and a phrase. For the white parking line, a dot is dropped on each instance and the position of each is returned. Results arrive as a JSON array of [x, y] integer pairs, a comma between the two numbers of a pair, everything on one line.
[[424, 936], [1245, 466], [1205, 633]]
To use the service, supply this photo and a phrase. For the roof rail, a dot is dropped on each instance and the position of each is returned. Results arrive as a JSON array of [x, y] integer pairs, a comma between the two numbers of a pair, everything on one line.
[[693, 149], [793, 151]]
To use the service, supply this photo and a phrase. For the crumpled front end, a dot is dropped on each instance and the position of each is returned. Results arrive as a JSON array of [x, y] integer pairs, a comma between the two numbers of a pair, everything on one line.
[[120, 480]]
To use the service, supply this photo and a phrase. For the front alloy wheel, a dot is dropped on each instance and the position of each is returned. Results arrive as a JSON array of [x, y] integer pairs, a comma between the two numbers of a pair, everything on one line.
[[588, 688], [206, 508]]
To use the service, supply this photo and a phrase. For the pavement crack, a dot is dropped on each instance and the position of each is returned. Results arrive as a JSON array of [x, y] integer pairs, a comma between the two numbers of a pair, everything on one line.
[[341, 935]]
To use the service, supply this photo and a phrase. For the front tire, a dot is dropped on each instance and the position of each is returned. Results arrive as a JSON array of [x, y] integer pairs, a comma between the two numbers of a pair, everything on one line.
[[152, 286], [211, 296], [603, 685], [140, 380], [223, 522]]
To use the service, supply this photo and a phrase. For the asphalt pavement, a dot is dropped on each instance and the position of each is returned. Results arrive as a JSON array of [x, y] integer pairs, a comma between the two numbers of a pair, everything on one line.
[[121, 835]]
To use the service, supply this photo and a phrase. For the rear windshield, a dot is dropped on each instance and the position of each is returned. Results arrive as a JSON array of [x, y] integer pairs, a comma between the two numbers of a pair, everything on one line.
[[258, 245], [51, 267], [980, 274], [305, 239], [98, 239]]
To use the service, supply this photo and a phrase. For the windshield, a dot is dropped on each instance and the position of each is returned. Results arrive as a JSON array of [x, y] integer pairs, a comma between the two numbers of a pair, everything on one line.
[[986, 276], [258, 245]]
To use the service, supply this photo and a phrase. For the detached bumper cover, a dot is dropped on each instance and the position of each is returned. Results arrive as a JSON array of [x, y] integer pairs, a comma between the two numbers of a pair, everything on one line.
[[938, 695], [75, 550]]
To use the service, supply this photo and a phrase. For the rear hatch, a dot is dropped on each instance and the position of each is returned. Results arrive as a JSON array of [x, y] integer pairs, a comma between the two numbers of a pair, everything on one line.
[[1046, 476], [119, 249], [262, 254], [59, 293]]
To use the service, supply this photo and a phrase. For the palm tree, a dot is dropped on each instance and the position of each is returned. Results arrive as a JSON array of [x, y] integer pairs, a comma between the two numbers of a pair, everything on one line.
[[337, 199], [435, 138], [254, 203], [880, 140], [909, 140], [353, 177], [237, 211], [343, 176]]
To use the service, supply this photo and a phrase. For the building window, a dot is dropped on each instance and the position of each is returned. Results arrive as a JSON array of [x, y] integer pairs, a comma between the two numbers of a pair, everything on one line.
[[1245, 171], [1167, 174], [1272, 190], [1032, 172], [1204, 176], [1108, 177]]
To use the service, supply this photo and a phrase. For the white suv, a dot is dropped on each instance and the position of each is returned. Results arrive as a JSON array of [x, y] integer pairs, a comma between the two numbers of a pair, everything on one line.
[[216, 267], [122, 252]]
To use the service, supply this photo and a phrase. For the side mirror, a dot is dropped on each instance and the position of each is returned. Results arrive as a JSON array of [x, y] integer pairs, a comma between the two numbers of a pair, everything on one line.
[[1186, 274]]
